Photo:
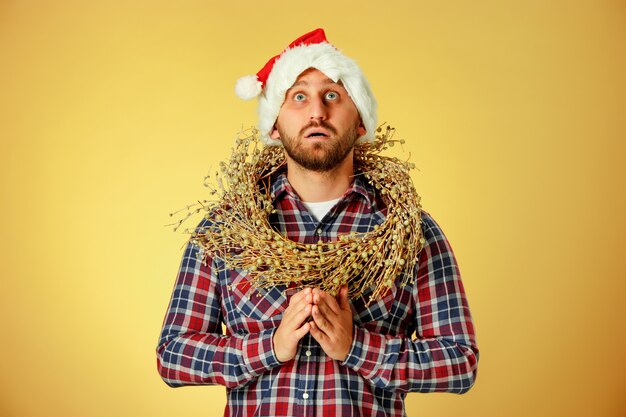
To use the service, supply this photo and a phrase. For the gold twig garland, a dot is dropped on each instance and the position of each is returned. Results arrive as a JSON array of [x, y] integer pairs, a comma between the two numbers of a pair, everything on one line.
[[241, 235]]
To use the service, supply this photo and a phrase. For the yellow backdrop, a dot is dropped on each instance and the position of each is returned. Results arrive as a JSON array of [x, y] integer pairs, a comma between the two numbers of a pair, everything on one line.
[[112, 112]]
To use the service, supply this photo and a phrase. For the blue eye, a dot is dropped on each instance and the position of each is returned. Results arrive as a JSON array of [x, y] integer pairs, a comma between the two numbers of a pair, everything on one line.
[[331, 95], [299, 97]]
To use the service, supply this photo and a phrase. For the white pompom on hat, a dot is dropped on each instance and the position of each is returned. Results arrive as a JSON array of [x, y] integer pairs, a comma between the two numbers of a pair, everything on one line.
[[311, 50]]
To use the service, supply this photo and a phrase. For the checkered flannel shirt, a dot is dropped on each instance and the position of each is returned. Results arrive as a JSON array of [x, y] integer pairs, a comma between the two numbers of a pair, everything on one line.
[[418, 338]]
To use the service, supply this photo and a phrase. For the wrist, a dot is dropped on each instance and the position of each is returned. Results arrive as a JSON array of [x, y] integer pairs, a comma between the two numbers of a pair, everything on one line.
[[279, 352]]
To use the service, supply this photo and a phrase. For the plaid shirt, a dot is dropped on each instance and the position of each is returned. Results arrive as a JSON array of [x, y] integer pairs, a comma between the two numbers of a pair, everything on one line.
[[385, 362]]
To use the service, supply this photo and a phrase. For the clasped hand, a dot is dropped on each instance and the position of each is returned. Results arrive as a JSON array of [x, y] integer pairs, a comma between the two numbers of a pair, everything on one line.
[[328, 319]]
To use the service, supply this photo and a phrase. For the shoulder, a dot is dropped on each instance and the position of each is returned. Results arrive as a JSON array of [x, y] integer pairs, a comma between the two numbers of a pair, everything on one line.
[[430, 228], [433, 233]]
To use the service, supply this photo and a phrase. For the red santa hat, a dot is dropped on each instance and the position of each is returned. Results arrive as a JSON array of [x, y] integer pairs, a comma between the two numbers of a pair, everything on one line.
[[311, 50]]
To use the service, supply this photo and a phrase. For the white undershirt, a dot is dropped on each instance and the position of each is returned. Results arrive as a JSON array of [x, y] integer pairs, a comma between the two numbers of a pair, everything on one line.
[[320, 209]]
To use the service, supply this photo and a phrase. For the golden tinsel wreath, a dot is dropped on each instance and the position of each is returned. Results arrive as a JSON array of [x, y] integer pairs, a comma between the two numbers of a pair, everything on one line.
[[240, 234]]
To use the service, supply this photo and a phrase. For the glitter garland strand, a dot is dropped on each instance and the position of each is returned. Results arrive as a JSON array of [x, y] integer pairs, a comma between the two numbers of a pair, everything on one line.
[[241, 235]]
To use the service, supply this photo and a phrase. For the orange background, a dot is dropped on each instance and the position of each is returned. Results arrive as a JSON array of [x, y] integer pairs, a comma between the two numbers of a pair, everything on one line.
[[112, 112]]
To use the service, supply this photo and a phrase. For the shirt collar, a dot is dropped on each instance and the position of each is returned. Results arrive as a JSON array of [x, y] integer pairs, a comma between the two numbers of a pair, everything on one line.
[[282, 188]]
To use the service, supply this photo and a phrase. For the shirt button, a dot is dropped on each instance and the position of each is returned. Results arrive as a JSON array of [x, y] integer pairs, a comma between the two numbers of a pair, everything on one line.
[[308, 353], [305, 395], [318, 231]]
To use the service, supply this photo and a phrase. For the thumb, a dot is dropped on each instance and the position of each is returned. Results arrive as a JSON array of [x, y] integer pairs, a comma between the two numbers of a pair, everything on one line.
[[343, 298]]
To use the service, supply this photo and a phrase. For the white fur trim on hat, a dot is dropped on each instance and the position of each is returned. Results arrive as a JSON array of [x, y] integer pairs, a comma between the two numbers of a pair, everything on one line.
[[335, 65]]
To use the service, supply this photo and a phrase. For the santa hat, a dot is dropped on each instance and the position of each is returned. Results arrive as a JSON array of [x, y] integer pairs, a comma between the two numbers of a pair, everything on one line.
[[311, 50]]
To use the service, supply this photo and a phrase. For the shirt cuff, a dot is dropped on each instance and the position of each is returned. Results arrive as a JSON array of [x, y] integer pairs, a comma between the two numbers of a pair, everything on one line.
[[258, 352], [367, 352]]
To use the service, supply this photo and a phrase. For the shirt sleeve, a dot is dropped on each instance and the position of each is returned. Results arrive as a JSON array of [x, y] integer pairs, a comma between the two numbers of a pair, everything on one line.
[[443, 355], [192, 349]]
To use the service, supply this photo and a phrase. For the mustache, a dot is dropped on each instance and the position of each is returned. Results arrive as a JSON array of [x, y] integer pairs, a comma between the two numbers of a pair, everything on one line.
[[322, 124]]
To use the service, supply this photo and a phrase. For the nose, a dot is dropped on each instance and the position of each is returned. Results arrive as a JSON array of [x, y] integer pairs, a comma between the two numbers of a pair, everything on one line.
[[317, 109]]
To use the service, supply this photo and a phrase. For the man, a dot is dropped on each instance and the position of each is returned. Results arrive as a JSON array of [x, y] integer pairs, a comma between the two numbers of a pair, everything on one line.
[[300, 349]]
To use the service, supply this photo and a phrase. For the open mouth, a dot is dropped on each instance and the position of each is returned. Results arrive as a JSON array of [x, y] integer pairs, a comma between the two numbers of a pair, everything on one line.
[[317, 134]]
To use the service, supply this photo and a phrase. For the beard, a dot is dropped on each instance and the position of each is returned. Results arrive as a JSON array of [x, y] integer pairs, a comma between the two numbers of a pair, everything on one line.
[[321, 156]]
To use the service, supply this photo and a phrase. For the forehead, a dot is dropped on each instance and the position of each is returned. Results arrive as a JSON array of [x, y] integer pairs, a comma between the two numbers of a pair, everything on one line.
[[313, 77]]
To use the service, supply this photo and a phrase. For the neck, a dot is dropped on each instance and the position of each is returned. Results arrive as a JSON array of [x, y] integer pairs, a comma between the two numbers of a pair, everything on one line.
[[314, 186]]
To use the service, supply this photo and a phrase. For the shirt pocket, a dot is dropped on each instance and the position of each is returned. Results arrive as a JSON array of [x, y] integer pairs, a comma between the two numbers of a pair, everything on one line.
[[264, 305], [376, 310]]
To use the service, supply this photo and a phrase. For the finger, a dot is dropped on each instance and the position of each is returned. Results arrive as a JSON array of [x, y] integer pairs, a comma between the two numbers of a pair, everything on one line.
[[326, 312], [342, 298], [317, 334], [302, 331], [300, 304], [321, 321], [304, 300], [322, 298], [297, 297], [296, 317]]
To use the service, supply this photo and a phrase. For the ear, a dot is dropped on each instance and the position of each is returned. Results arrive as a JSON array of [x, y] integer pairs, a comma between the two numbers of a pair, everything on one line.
[[361, 129], [274, 133]]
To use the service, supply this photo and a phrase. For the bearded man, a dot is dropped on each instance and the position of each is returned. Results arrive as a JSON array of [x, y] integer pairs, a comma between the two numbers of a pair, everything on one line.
[[321, 341]]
